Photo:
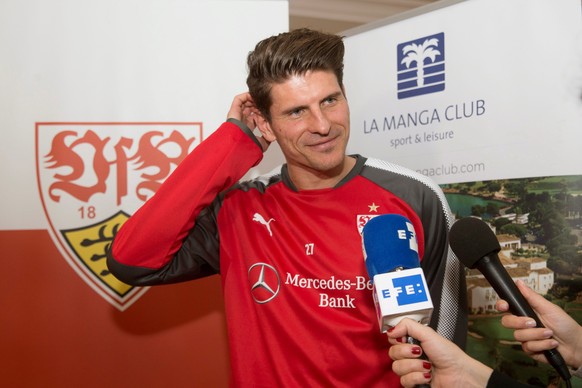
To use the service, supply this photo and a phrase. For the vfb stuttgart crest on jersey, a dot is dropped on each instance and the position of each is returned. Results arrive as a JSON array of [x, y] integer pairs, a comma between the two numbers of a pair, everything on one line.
[[93, 176]]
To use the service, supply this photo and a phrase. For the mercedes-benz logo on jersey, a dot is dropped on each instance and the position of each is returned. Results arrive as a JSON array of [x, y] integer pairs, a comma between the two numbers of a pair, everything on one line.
[[265, 282]]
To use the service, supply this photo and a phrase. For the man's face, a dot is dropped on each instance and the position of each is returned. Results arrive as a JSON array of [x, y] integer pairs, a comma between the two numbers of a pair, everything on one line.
[[310, 121]]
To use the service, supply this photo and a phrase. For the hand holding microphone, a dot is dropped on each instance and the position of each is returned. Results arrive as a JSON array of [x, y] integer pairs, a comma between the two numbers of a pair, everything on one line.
[[449, 365], [566, 333], [476, 246]]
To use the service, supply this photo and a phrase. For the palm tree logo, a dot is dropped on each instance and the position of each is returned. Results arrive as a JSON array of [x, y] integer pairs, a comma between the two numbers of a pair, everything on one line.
[[421, 66], [418, 53]]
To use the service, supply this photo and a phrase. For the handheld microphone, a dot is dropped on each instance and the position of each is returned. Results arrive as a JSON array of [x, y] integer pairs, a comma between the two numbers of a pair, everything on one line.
[[399, 287], [476, 246]]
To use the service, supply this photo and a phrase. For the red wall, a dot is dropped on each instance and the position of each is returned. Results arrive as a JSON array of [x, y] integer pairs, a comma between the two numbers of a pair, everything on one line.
[[55, 331]]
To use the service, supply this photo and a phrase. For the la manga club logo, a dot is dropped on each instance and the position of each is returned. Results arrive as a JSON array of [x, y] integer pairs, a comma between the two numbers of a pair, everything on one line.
[[92, 177], [421, 66]]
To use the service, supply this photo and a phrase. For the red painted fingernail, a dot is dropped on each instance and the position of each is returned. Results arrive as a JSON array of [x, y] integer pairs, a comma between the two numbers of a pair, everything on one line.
[[426, 365], [427, 375], [390, 330], [416, 350]]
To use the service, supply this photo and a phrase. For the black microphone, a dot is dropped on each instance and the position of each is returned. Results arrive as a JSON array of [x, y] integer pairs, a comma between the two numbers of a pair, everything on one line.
[[476, 246]]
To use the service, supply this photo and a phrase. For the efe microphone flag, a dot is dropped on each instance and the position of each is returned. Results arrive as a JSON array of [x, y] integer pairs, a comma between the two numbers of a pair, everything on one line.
[[399, 287]]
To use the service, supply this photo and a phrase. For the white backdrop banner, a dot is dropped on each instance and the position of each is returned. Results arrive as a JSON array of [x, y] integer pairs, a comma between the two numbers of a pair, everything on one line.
[[473, 90], [106, 68]]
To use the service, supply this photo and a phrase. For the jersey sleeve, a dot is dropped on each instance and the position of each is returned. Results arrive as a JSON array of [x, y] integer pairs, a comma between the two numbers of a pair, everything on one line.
[[443, 272], [152, 245]]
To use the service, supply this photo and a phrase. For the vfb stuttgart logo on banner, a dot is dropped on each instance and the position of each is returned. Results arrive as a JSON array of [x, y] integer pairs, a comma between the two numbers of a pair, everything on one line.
[[92, 177]]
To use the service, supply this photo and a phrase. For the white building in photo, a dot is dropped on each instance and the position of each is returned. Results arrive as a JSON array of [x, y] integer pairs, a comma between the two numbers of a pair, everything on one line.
[[508, 243], [533, 271]]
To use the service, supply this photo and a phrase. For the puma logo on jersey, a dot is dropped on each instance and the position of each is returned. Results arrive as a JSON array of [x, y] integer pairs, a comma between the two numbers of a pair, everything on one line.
[[260, 219]]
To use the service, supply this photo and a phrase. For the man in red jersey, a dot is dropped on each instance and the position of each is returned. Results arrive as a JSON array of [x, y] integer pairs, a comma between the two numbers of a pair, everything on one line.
[[288, 245]]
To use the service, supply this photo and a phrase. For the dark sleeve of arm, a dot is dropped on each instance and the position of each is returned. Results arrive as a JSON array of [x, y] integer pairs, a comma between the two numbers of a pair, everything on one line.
[[499, 380], [173, 236]]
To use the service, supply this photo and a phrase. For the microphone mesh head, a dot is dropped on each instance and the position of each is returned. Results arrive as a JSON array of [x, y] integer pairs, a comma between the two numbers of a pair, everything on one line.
[[471, 239], [389, 242]]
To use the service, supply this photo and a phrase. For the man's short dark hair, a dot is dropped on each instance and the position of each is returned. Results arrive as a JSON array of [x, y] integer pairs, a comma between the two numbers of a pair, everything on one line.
[[279, 57]]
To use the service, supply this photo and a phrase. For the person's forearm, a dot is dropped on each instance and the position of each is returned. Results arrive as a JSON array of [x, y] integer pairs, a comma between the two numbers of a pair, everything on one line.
[[476, 374], [576, 363], [155, 232]]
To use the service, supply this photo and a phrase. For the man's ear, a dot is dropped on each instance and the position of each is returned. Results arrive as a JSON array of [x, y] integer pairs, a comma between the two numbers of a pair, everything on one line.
[[265, 128]]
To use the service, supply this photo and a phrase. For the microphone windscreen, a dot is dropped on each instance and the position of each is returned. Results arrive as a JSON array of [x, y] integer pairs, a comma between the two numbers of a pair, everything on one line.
[[471, 239], [389, 242]]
